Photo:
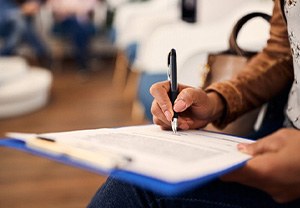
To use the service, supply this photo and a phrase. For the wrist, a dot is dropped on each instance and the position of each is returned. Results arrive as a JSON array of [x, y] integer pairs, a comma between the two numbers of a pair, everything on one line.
[[218, 105]]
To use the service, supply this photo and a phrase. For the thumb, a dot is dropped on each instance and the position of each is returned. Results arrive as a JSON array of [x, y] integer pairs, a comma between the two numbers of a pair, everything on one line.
[[264, 145], [189, 96]]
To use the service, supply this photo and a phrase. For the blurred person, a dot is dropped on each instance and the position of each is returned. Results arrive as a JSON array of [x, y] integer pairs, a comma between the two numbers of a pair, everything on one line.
[[272, 177], [17, 26], [73, 19]]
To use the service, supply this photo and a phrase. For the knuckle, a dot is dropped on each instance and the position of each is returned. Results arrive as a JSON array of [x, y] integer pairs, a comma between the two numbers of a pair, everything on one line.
[[186, 95], [282, 133], [193, 94], [153, 88], [281, 136], [164, 106], [156, 87]]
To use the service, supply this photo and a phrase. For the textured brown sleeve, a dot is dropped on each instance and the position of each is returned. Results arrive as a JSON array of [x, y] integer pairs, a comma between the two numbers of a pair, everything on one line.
[[265, 75]]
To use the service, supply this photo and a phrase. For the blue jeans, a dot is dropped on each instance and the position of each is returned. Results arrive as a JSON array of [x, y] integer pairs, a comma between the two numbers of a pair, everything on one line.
[[31, 36], [217, 194], [80, 33], [12, 26], [16, 28]]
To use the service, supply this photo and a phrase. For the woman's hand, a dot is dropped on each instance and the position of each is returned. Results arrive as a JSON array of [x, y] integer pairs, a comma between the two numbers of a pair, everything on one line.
[[195, 108], [275, 166]]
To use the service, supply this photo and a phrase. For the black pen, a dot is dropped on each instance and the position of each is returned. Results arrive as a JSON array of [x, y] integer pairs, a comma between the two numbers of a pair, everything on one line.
[[172, 77]]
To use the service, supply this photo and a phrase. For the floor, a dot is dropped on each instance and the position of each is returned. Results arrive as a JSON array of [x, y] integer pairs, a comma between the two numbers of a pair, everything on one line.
[[76, 102]]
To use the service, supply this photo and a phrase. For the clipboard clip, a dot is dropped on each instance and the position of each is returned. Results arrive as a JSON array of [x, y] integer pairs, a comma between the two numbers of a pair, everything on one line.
[[103, 159]]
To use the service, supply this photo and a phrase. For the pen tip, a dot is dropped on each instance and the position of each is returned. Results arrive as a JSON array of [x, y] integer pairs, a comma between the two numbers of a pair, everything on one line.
[[174, 125]]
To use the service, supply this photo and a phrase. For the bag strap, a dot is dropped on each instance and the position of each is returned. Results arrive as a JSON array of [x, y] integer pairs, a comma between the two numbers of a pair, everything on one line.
[[234, 48], [282, 2]]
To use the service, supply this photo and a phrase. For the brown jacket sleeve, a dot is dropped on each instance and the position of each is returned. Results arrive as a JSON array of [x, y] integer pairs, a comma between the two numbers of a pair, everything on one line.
[[265, 75]]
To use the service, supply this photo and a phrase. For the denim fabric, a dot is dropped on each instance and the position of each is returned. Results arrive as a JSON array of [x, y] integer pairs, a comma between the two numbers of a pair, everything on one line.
[[12, 26], [217, 194], [275, 116], [31, 37], [6, 5], [112, 35], [15, 29], [131, 51], [80, 34]]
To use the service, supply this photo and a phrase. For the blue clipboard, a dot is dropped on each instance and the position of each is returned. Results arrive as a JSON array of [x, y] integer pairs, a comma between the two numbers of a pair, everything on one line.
[[142, 181]]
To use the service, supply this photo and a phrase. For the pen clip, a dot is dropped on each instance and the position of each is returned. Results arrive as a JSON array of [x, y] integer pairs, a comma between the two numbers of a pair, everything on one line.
[[169, 67], [172, 70]]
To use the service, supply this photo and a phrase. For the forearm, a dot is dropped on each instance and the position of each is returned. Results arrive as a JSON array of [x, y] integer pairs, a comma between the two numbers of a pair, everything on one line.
[[266, 75]]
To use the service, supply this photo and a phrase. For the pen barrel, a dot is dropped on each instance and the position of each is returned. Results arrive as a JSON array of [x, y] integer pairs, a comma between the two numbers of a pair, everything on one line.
[[172, 75], [175, 115], [173, 96]]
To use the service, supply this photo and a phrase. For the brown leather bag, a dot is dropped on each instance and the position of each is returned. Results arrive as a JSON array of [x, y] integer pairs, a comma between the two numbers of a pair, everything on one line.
[[225, 65]]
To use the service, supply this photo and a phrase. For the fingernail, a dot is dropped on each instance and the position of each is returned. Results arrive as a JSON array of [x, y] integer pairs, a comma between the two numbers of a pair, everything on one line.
[[168, 115], [179, 105], [242, 147]]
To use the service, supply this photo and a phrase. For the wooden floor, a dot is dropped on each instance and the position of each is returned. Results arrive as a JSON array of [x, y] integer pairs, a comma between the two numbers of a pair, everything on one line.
[[75, 103]]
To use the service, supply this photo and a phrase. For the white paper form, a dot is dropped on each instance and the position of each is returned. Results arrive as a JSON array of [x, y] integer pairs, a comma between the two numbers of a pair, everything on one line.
[[161, 154]]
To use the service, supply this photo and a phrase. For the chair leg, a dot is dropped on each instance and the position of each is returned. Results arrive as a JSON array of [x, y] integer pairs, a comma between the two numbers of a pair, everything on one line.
[[120, 71], [130, 95], [131, 87], [137, 112]]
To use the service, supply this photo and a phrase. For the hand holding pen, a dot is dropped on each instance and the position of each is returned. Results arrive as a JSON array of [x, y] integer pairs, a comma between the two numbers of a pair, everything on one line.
[[180, 106]]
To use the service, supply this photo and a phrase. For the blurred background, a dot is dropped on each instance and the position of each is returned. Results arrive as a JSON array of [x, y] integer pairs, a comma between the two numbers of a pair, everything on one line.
[[82, 64]]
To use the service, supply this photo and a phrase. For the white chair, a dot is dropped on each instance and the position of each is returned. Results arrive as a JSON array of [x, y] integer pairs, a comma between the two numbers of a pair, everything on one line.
[[23, 89], [114, 4], [132, 23], [135, 21], [11, 67]]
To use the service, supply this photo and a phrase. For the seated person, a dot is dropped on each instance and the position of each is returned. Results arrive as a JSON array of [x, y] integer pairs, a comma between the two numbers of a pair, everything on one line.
[[272, 177], [72, 19], [17, 26]]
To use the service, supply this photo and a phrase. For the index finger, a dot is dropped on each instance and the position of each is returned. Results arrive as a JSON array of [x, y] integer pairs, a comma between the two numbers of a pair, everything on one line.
[[160, 92]]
